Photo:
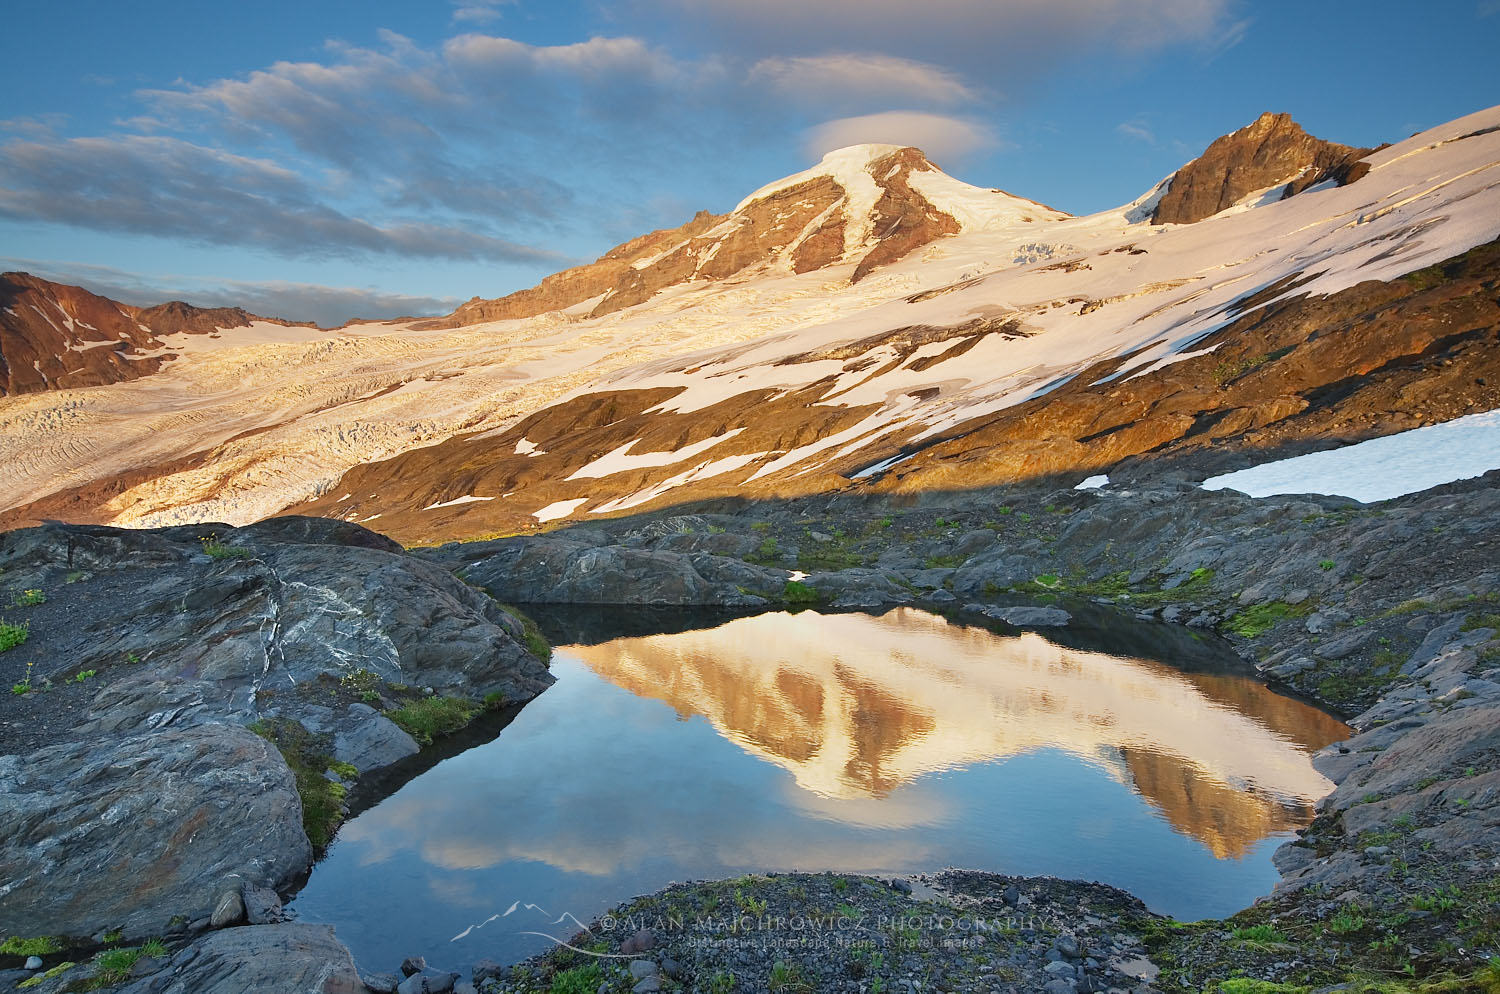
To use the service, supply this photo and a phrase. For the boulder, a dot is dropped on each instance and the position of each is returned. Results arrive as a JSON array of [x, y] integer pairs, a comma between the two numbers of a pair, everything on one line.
[[123, 832], [303, 958], [1030, 617]]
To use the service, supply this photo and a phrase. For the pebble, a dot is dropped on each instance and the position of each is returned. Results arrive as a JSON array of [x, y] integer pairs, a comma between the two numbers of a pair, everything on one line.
[[640, 969], [33, 963], [413, 965]]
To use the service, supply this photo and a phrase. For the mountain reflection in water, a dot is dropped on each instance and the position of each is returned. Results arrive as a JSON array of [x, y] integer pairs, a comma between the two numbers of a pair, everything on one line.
[[848, 743], [854, 706]]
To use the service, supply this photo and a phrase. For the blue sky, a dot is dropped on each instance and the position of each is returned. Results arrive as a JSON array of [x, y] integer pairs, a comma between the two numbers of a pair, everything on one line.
[[341, 158]]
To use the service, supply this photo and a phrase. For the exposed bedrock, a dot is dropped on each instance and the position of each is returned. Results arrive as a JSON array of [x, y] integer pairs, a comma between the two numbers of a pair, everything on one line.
[[132, 788], [1271, 150]]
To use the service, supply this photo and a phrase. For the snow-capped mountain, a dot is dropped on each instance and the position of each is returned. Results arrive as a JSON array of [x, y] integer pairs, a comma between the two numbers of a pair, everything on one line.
[[869, 323], [869, 206]]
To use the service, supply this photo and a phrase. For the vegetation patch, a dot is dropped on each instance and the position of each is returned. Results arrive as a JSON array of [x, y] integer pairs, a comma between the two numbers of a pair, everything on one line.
[[430, 717], [531, 634], [309, 760], [56, 971], [1477, 621], [13, 635], [797, 592], [114, 964], [218, 550], [42, 945], [1253, 622], [578, 980]]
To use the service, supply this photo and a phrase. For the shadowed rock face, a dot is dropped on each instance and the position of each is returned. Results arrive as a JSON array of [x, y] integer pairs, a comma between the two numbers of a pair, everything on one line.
[[1274, 149], [55, 336], [131, 788]]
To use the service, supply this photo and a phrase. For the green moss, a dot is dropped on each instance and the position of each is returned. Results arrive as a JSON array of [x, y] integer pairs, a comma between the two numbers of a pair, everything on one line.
[[322, 799], [531, 634], [944, 562], [1255, 621], [494, 700], [431, 717], [1244, 985], [56, 971], [42, 945]]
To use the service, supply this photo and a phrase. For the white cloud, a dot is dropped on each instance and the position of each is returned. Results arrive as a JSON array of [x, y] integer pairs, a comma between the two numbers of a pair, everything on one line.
[[943, 138], [595, 58], [478, 11], [1136, 130], [854, 77], [980, 34]]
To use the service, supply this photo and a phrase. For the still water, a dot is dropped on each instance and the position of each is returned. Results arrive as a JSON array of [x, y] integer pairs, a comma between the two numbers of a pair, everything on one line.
[[846, 742]]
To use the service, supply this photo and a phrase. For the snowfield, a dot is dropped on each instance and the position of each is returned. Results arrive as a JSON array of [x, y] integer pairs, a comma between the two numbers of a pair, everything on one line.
[[1380, 468]]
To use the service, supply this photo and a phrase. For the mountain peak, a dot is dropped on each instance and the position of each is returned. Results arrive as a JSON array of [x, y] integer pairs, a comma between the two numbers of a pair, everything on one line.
[[850, 167], [1269, 151], [862, 205]]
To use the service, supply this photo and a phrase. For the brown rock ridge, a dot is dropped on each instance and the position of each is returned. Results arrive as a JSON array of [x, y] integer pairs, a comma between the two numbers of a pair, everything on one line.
[[55, 336], [802, 227], [1274, 149]]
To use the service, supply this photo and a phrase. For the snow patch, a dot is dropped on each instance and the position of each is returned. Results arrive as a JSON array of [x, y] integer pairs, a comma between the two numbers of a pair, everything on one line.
[[620, 460], [881, 466], [1380, 468], [1093, 483], [469, 499], [559, 509], [702, 471]]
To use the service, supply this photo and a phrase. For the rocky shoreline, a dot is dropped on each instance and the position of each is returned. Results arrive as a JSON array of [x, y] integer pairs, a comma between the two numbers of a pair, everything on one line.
[[319, 635]]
